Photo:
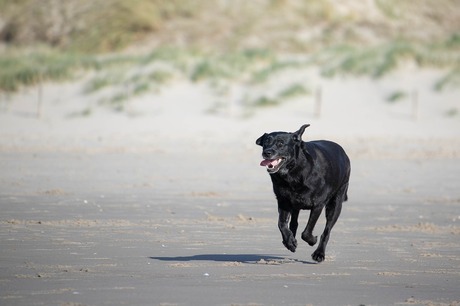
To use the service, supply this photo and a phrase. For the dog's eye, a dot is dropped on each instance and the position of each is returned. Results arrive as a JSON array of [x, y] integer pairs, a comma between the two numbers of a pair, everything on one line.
[[280, 143]]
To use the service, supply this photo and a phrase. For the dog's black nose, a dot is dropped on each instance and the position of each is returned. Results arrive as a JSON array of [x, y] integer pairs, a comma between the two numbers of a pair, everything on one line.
[[267, 153]]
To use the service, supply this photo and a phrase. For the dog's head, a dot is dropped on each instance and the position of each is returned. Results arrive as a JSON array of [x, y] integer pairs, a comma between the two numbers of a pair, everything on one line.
[[279, 149]]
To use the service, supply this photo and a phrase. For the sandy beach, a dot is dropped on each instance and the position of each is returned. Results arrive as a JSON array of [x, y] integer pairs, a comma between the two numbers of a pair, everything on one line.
[[166, 204]]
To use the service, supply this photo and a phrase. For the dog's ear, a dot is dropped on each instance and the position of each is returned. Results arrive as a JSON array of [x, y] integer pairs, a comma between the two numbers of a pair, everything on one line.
[[260, 140], [297, 136]]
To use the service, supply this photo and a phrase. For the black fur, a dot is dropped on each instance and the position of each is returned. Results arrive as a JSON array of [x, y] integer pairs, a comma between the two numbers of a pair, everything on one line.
[[306, 175]]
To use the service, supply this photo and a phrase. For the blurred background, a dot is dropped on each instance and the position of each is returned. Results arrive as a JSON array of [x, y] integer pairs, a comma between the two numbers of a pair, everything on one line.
[[228, 26], [371, 66], [128, 128]]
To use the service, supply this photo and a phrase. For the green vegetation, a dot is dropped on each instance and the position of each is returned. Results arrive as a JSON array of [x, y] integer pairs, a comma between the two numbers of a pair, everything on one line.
[[396, 96], [22, 68], [379, 60], [451, 79], [135, 47], [293, 91], [453, 112], [87, 25], [231, 65], [264, 101]]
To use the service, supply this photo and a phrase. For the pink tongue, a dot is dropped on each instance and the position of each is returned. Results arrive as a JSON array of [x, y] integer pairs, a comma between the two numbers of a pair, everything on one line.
[[267, 162]]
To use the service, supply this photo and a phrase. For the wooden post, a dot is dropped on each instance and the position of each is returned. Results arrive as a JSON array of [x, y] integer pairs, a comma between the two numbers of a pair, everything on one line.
[[415, 105], [39, 98], [318, 101]]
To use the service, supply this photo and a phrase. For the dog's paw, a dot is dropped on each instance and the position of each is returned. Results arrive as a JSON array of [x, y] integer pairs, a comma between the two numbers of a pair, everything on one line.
[[290, 244], [318, 256], [309, 238]]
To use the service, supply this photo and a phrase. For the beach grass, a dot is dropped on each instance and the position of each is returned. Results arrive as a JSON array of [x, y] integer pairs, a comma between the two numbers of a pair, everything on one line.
[[97, 43]]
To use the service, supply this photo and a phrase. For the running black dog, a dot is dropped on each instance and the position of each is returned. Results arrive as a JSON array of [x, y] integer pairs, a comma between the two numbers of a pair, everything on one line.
[[305, 175]]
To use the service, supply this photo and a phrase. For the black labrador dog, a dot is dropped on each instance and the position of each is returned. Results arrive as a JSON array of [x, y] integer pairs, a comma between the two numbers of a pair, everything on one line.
[[305, 175]]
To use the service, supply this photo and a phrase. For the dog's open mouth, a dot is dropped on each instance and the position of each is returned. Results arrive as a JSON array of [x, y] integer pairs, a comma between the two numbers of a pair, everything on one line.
[[273, 165]]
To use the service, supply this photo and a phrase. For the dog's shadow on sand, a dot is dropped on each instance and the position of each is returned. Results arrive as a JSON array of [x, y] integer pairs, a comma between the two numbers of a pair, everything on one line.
[[242, 258]]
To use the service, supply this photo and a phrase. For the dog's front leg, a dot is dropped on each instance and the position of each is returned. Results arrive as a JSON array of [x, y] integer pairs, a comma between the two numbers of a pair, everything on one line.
[[289, 240], [294, 224]]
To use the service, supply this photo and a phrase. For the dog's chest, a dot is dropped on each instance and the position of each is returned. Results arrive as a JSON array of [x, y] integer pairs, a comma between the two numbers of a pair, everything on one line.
[[298, 197]]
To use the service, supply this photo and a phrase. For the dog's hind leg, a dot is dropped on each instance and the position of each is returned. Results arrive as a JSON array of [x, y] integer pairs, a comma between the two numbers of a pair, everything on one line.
[[333, 209], [307, 234]]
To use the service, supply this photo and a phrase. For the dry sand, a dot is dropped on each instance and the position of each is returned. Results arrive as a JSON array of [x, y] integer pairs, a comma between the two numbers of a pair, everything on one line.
[[165, 204]]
